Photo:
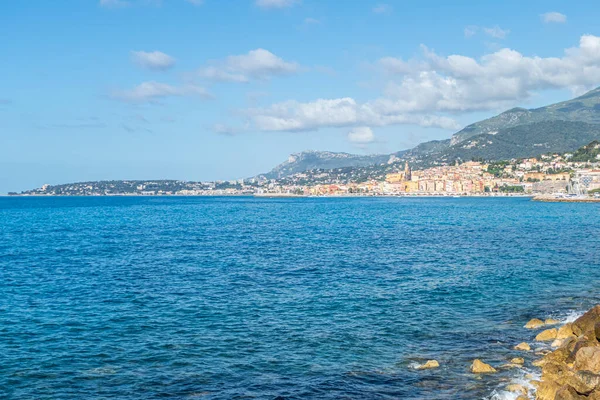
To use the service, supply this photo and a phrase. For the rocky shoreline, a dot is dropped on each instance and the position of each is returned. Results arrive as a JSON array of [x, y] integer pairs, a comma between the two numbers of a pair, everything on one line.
[[570, 368], [560, 362]]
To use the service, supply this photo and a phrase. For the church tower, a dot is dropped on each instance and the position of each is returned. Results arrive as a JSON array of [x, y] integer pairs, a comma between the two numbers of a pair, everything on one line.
[[407, 172]]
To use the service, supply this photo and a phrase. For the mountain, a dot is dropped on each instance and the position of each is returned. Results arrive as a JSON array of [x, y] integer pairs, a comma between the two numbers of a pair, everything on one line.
[[308, 160], [584, 108], [516, 133], [524, 141]]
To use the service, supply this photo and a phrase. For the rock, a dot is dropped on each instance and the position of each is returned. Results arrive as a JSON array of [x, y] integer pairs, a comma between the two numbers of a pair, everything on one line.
[[479, 367], [523, 347], [546, 390], [522, 398], [588, 359], [597, 330], [518, 360], [551, 321], [515, 388], [566, 392], [559, 355], [595, 395], [429, 365], [548, 334], [564, 332], [584, 382], [558, 373], [578, 344], [587, 321], [538, 362], [534, 324]]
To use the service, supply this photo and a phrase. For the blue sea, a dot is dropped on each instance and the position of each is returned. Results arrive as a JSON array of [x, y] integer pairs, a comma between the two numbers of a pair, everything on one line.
[[312, 298]]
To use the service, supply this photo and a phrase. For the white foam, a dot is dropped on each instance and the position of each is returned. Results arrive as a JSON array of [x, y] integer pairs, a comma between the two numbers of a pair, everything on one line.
[[519, 379], [571, 317], [414, 365]]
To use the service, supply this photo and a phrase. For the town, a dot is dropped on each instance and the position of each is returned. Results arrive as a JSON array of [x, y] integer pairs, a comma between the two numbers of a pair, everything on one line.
[[574, 174]]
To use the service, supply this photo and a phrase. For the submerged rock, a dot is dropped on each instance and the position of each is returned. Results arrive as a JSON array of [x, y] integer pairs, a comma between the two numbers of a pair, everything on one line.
[[534, 324], [548, 334], [523, 347], [516, 388], [479, 367], [551, 321], [429, 365], [518, 360]]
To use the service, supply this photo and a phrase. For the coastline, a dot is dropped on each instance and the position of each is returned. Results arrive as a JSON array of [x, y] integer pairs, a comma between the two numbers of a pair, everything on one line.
[[561, 361]]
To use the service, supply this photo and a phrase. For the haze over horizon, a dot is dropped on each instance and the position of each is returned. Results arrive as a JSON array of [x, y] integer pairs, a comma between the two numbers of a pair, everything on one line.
[[201, 90]]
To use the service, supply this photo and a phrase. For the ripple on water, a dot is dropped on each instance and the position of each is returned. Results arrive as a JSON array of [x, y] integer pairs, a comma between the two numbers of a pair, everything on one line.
[[220, 298]]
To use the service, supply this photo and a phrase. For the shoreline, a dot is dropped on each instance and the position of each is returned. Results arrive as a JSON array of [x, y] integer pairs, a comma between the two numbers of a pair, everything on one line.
[[565, 358]]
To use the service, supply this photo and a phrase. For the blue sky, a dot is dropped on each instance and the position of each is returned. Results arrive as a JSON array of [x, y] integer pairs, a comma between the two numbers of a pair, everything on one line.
[[213, 89]]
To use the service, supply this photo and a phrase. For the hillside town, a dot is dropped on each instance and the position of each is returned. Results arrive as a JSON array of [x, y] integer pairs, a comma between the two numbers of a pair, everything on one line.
[[551, 174]]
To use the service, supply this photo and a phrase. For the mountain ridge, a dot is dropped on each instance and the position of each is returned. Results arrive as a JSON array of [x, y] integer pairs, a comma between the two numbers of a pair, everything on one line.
[[517, 132]]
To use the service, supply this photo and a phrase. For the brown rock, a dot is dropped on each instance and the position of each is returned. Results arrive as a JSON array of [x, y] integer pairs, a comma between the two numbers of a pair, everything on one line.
[[534, 324], [551, 321], [548, 334], [566, 392], [429, 365], [546, 390], [584, 382], [522, 398], [564, 332], [578, 344], [595, 395], [518, 360], [523, 347], [479, 367], [556, 372], [559, 355], [587, 321], [557, 343], [588, 359]]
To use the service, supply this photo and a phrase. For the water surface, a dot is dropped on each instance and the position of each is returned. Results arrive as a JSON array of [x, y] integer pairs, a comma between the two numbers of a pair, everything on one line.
[[243, 298]]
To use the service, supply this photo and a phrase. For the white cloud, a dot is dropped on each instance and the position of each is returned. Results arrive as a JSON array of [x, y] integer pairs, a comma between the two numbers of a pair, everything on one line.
[[555, 17], [496, 32], [256, 64], [382, 9], [268, 4], [311, 21], [148, 92], [470, 31], [427, 91], [296, 116], [113, 3], [154, 60], [458, 83], [361, 135]]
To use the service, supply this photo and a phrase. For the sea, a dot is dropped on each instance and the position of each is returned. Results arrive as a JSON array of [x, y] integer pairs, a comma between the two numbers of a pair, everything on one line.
[[300, 298]]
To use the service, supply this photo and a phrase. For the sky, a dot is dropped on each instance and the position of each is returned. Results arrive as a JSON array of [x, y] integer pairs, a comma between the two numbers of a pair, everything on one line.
[[220, 90]]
